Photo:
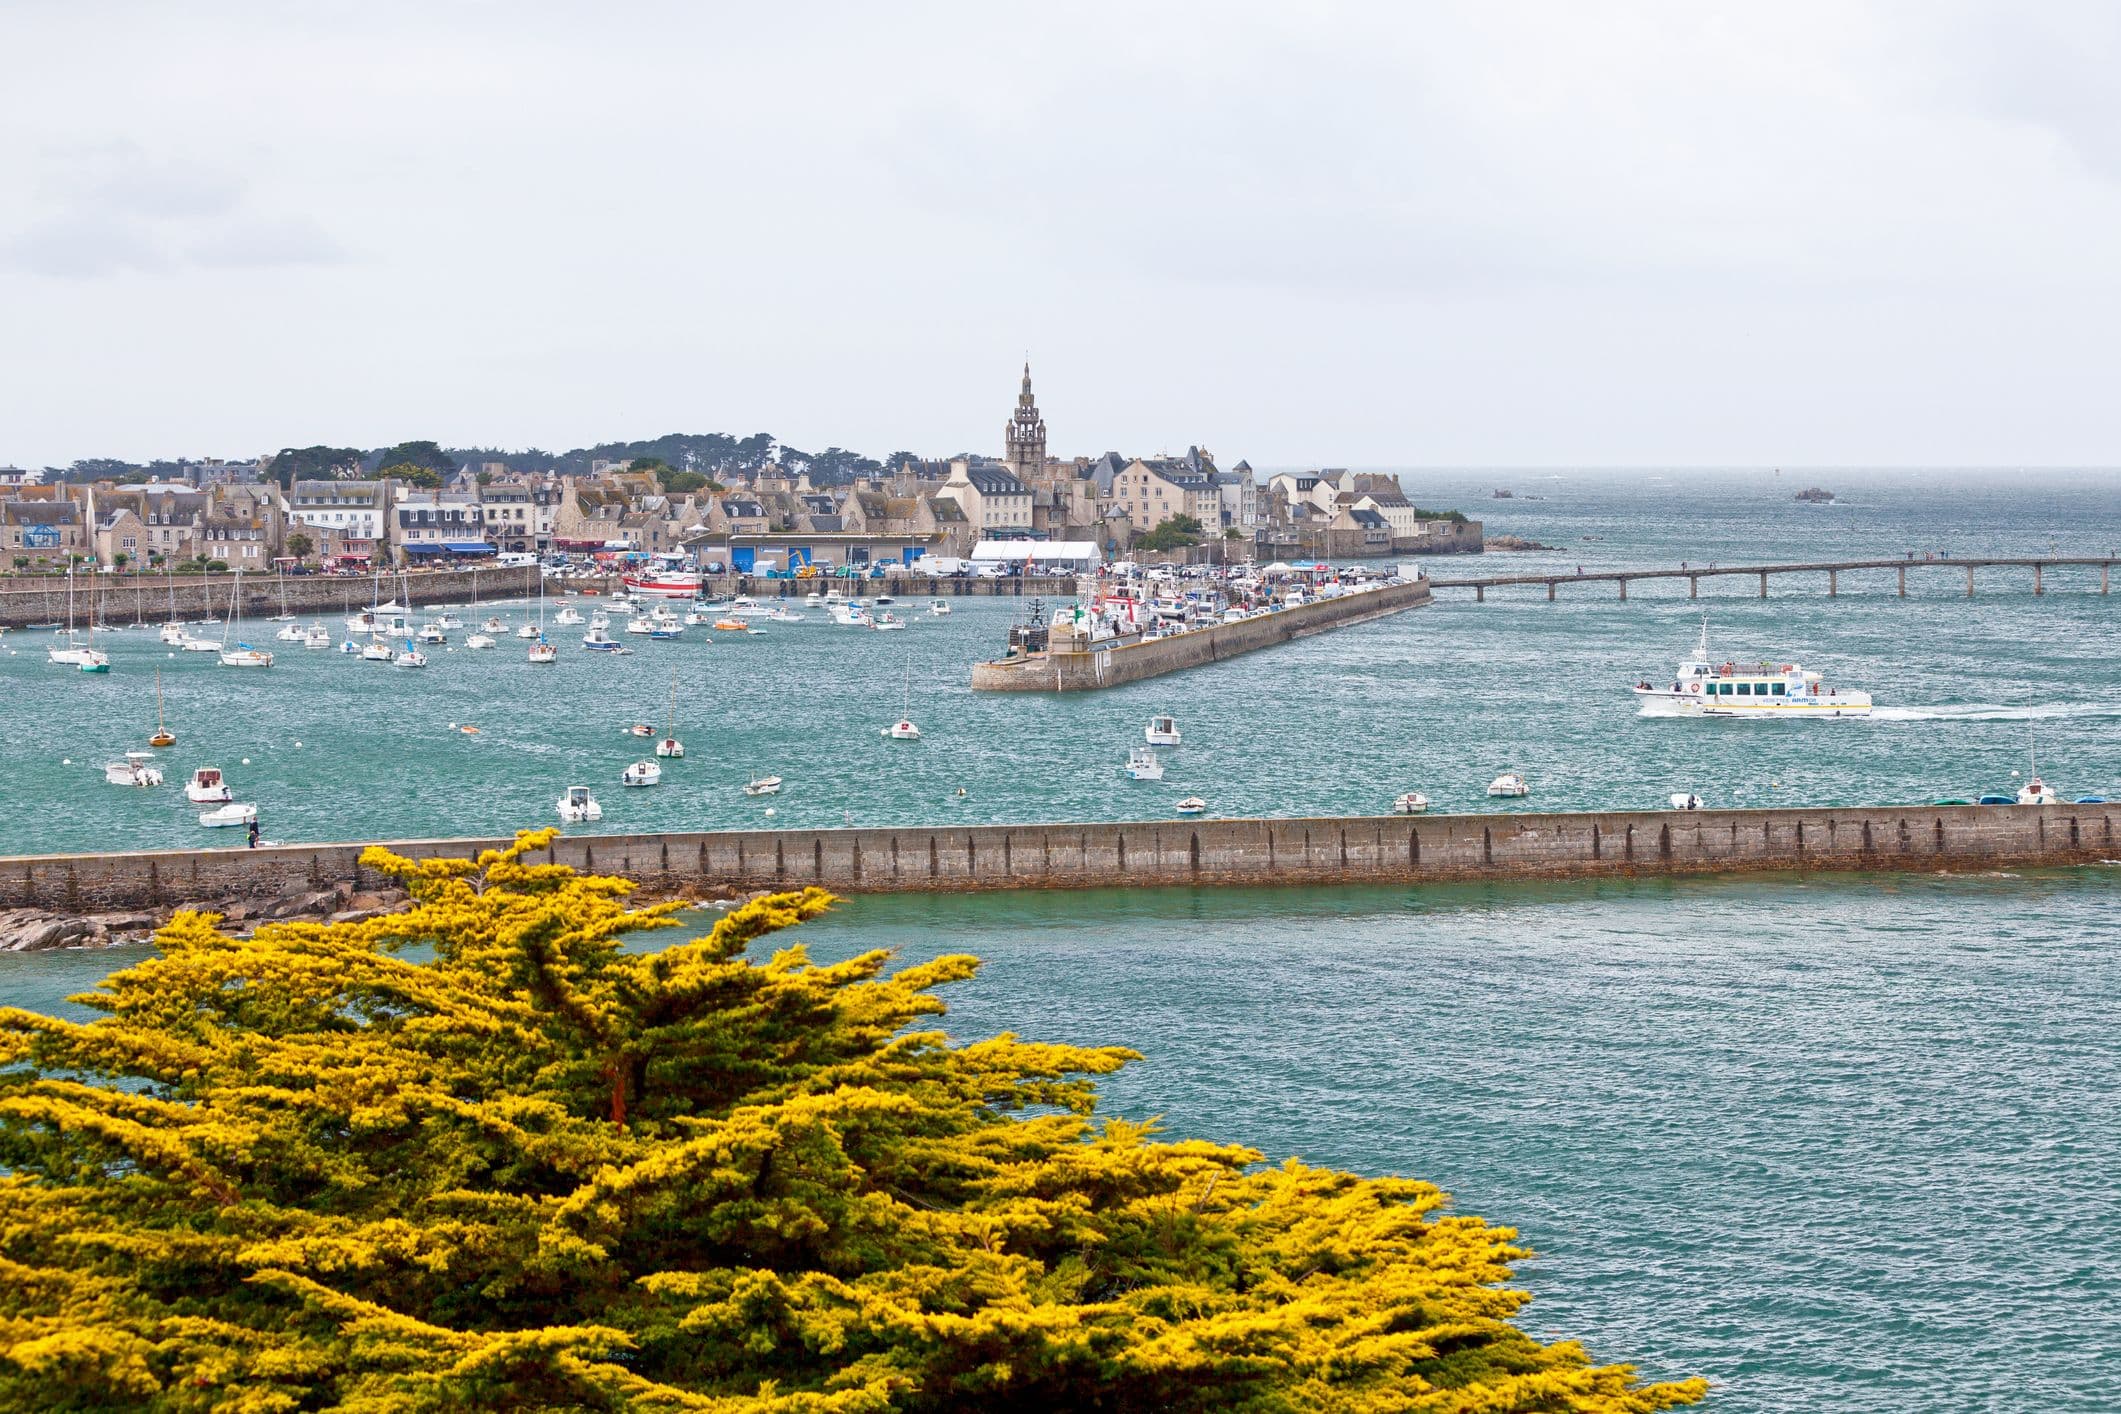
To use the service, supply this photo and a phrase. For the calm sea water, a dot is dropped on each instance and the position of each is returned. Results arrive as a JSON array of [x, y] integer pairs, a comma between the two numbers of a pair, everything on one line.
[[1840, 1143]]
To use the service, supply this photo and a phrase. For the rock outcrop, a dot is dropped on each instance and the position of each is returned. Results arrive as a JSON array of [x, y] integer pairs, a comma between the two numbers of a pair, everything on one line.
[[37, 929]]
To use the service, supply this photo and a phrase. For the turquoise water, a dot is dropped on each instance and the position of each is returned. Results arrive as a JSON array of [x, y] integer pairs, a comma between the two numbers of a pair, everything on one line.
[[1439, 699], [1839, 1144], [1834, 1143]]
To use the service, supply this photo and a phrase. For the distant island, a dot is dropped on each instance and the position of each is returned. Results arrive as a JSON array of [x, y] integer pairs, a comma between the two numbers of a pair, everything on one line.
[[1817, 495], [1501, 495]]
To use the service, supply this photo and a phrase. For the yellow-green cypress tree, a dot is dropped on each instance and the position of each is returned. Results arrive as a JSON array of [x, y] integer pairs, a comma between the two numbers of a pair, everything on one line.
[[308, 1170]]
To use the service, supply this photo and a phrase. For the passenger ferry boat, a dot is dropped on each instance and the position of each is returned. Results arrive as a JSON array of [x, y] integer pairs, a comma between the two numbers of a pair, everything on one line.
[[1704, 688]]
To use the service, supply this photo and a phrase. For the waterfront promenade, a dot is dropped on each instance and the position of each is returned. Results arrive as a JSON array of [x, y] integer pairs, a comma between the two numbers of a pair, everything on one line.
[[1146, 853]]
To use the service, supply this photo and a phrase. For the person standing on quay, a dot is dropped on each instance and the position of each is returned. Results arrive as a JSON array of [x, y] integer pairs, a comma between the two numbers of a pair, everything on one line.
[[252, 843]]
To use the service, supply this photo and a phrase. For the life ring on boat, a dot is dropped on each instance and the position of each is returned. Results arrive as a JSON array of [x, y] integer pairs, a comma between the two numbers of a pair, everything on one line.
[[1693, 687]]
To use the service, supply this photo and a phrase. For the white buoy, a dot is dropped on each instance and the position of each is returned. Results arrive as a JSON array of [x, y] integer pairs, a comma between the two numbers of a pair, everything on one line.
[[769, 810], [68, 761], [298, 746], [246, 760]]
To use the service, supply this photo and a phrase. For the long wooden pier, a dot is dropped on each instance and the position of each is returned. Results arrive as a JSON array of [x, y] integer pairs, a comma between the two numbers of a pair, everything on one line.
[[1832, 569]]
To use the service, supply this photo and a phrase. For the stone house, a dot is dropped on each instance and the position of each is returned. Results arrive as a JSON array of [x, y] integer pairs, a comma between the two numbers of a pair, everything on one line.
[[42, 532]]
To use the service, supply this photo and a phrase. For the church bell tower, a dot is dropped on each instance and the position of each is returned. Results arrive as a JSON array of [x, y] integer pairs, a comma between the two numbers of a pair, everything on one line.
[[1025, 436]]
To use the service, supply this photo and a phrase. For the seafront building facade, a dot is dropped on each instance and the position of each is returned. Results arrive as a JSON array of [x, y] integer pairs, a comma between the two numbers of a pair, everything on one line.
[[766, 515]]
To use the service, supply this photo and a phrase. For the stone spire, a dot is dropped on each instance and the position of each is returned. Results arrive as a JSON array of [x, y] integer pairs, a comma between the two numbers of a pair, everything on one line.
[[1024, 439]]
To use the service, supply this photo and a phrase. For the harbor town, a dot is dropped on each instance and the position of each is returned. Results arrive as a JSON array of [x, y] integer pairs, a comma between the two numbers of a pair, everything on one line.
[[1407, 709]]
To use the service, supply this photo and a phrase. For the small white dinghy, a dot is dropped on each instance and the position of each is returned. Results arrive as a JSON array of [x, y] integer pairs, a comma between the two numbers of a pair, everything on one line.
[[226, 815], [641, 773], [1509, 783], [1142, 765], [478, 640], [763, 785], [1412, 803], [1685, 800], [578, 805], [1191, 805], [137, 769], [938, 608], [1161, 731]]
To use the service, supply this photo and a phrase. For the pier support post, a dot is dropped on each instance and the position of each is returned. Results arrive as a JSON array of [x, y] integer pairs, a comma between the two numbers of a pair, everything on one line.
[[1903, 581], [2102, 577], [1480, 594], [2036, 581], [1833, 584], [1763, 584], [1693, 586], [1969, 581], [1623, 591], [1550, 591]]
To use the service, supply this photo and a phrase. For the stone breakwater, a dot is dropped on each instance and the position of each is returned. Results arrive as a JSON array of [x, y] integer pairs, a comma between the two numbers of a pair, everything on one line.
[[327, 880], [126, 599], [1110, 663]]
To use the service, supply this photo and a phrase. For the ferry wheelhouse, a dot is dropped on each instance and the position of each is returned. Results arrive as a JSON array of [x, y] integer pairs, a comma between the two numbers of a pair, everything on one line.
[[1702, 687]]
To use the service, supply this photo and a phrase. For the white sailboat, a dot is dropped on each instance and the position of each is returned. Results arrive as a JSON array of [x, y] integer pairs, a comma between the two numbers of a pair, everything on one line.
[[242, 655], [543, 650], [903, 729], [75, 654], [670, 747]]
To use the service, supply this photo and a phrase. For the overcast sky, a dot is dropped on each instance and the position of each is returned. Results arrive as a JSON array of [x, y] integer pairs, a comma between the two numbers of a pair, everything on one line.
[[1389, 234]]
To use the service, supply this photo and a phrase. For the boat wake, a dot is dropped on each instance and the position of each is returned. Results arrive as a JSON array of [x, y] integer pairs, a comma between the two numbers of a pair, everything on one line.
[[1989, 712]]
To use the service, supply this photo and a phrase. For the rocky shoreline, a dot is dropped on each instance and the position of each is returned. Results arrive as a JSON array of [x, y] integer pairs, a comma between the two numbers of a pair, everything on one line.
[[44, 930], [1516, 542]]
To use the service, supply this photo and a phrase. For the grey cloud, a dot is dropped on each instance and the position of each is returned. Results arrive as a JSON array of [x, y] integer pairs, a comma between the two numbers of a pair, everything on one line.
[[265, 241], [113, 208]]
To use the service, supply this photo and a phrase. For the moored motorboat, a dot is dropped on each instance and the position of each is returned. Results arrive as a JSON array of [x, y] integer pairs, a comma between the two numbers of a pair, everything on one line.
[[479, 640], [1509, 784], [1412, 802], [641, 773], [1191, 805], [578, 805], [1162, 731], [137, 769], [763, 785], [938, 608], [376, 651], [207, 787], [1142, 764], [598, 641], [230, 814], [316, 636], [1684, 800]]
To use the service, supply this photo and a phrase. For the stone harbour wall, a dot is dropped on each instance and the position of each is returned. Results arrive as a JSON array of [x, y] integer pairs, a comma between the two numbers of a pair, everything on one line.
[[1204, 852], [1109, 666], [125, 599]]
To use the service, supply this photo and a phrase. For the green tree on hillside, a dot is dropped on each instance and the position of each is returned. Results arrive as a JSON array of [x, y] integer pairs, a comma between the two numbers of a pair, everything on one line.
[[421, 454], [412, 474], [525, 1168], [1172, 533], [320, 463]]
